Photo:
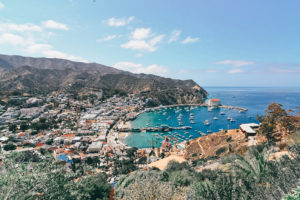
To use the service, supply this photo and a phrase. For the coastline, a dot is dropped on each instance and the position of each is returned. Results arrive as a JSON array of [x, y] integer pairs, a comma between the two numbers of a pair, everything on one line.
[[124, 135], [128, 124]]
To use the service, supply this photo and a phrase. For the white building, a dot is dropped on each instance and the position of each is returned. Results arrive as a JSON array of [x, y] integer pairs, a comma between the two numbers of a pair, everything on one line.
[[213, 102], [95, 147], [249, 129]]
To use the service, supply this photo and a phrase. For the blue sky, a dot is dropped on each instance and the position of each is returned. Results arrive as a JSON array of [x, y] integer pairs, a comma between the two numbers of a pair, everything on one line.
[[215, 43]]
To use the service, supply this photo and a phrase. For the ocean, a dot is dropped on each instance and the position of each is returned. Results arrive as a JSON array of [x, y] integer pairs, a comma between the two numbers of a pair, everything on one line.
[[255, 99]]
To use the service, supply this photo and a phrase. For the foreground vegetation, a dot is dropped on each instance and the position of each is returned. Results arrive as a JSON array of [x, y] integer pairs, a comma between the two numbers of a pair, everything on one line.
[[29, 176], [266, 171], [252, 176]]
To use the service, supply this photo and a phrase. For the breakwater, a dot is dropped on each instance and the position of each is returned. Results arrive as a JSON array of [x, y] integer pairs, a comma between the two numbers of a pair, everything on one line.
[[154, 129]]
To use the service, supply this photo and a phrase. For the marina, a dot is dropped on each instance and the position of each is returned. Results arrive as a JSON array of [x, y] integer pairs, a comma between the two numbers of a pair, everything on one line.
[[154, 129], [182, 123], [239, 105]]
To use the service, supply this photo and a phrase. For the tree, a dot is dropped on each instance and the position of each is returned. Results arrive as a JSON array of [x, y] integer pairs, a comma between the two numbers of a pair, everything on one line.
[[93, 188], [12, 127], [49, 141], [275, 122], [9, 147], [254, 164], [131, 152], [24, 126]]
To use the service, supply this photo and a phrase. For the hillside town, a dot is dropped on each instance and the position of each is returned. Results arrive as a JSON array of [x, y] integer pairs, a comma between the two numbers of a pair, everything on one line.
[[69, 129], [76, 130]]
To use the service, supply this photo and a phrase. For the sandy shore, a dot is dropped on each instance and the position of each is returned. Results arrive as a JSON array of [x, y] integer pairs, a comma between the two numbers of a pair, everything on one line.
[[123, 135]]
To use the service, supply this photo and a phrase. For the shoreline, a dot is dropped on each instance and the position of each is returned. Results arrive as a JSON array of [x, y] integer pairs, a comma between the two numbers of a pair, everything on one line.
[[123, 135]]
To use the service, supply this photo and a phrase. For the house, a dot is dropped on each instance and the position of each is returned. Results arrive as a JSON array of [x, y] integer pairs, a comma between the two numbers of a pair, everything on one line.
[[95, 147], [76, 139], [3, 139], [249, 129]]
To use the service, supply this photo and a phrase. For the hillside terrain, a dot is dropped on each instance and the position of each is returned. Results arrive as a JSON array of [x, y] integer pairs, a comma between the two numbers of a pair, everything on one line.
[[45, 75]]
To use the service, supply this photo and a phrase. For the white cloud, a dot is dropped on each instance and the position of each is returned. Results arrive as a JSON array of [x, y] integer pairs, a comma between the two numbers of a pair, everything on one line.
[[48, 51], [27, 27], [139, 55], [51, 24], [189, 39], [139, 68], [143, 39], [119, 21], [235, 71], [59, 54], [138, 45], [12, 39], [1, 5], [27, 38], [236, 63], [31, 47], [38, 48], [141, 33], [174, 36], [107, 38]]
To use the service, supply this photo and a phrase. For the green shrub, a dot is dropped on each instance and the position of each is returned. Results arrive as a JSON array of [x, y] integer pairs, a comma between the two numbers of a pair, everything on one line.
[[9, 147], [221, 150], [229, 139]]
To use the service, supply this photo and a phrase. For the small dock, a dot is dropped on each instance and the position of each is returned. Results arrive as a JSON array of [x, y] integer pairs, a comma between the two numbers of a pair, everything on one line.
[[155, 129], [233, 107]]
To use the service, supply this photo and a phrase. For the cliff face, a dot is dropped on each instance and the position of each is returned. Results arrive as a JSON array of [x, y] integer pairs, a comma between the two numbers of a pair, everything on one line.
[[44, 75]]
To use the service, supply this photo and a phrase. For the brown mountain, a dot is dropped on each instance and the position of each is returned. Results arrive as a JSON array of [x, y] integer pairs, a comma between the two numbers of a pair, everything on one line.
[[44, 75]]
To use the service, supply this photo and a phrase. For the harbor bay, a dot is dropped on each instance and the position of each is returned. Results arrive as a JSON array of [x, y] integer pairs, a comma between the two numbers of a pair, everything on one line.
[[204, 120]]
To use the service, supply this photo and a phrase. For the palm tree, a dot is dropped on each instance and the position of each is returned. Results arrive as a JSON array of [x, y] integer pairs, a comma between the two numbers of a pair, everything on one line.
[[253, 164]]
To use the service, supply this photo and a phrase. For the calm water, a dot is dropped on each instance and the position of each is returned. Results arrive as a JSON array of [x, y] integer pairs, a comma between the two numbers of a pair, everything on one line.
[[254, 99]]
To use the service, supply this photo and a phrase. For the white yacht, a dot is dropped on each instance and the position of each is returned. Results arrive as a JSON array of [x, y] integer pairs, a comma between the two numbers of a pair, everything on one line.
[[206, 122], [232, 120]]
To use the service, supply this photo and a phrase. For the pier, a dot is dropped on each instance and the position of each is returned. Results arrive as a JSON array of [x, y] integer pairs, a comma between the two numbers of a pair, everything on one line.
[[154, 129], [233, 107]]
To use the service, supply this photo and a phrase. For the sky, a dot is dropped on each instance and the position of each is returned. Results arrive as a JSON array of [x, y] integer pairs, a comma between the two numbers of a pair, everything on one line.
[[215, 43]]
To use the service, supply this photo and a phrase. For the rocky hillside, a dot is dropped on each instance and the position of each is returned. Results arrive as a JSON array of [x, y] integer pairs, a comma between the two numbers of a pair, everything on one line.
[[43, 75]]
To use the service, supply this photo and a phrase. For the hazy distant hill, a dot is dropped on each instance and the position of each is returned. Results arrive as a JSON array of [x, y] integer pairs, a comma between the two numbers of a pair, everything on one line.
[[43, 75]]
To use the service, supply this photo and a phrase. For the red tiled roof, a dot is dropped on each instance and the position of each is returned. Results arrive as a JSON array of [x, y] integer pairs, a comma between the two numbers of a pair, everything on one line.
[[68, 135], [39, 144]]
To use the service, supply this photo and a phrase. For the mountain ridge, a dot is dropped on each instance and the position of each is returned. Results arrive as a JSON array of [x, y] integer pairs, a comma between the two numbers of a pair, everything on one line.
[[44, 75]]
